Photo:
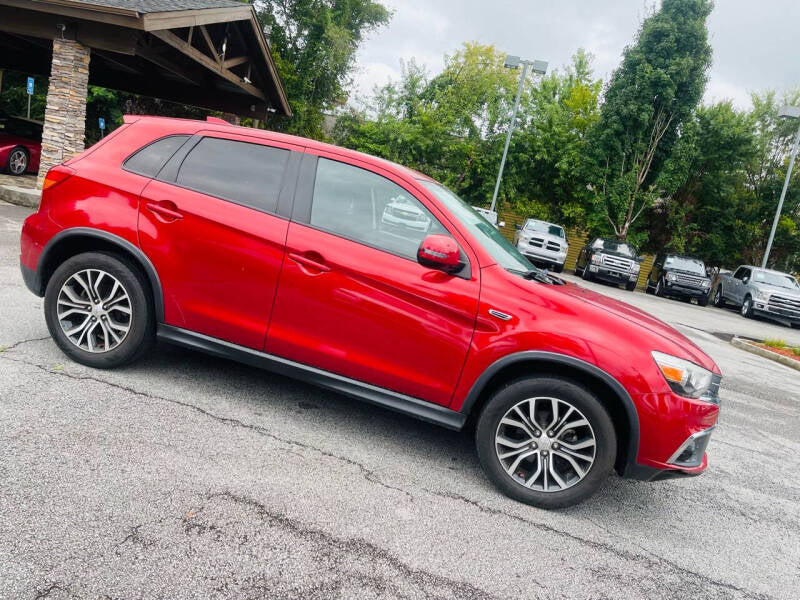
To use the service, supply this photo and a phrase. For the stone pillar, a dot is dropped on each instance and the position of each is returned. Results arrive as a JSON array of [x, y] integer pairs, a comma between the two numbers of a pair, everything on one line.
[[65, 115]]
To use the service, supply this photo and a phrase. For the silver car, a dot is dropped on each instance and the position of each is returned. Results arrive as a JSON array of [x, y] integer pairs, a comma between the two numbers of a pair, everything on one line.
[[543, 243], [760, 291]]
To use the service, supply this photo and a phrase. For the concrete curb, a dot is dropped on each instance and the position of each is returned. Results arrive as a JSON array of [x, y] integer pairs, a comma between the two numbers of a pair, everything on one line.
[[750, 347], [21, 196]]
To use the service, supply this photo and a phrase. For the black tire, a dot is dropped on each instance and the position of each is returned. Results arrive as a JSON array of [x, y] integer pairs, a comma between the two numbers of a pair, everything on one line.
[[747, 307], [648, 286], [659, 291], [574, 395], [703, 300], [141, 333], [17, 161], [558, 268], [587, 274], [719, 298], [630, 286]]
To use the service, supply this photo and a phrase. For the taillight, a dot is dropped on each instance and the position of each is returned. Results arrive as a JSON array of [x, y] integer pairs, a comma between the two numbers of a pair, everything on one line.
[[55, 176]]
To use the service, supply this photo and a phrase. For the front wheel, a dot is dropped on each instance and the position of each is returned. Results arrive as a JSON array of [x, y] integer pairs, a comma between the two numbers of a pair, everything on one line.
[[98, 310], [546, 441], [660, 287], [17, 162], [747, 308], [703, 300], [558, 268], [587, 274], [719, 298], [630, 286]]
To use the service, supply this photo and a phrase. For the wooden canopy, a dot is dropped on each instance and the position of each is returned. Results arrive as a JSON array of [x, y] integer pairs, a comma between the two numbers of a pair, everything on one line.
[[207, 53]]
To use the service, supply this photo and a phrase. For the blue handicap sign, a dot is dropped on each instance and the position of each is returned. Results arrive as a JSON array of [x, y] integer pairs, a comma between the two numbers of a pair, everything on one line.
[[102, 122], [30, 86]]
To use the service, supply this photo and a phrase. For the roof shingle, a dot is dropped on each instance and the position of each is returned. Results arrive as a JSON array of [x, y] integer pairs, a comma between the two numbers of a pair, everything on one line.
[[156, 6]]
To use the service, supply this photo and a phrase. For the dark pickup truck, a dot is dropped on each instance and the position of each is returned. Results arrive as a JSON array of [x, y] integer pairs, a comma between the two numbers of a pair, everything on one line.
[[679, 276]]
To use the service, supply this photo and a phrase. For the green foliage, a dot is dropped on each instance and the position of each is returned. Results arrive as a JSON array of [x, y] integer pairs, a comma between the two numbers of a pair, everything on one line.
[[314, 44], [775, 343], [660, 81]]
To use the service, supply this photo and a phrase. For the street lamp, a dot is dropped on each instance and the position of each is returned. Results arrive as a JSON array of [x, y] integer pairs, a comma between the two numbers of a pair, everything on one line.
[[787, 112], [513, 62]]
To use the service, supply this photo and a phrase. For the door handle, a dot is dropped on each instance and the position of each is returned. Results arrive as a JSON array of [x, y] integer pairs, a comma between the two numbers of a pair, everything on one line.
[[165, 209], [309, 262]]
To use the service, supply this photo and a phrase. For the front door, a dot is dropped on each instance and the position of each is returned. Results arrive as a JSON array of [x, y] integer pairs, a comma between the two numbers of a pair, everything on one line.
[[353, 299], [215, 238]]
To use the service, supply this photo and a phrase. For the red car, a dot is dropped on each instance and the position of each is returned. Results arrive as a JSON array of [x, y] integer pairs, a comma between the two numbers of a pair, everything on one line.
[[20, 145], [370, 279]]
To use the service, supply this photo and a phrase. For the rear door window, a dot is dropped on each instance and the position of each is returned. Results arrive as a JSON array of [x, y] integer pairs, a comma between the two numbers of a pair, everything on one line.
[[149, 160], [241, 172], [368, 208]]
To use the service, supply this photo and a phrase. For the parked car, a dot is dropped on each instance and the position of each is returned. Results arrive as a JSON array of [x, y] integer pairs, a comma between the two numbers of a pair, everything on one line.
[[611, 261], [543, 243], [20, 144], [678, 276], [760, 291], [268, 249], [489, 215]]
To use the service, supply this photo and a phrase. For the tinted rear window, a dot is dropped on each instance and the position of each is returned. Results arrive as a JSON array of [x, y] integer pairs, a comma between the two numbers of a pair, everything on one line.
[[245, 173], [149, 160]]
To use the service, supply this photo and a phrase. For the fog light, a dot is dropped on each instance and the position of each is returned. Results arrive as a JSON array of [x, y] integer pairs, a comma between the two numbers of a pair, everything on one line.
[[691, 452], [593, 268]]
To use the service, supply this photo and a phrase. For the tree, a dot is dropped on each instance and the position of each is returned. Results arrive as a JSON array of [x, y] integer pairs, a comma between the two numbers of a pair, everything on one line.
[[314, 43], [660, 81]]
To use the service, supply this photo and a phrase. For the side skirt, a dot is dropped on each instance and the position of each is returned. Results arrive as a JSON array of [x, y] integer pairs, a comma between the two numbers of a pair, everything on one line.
[[401, 403]]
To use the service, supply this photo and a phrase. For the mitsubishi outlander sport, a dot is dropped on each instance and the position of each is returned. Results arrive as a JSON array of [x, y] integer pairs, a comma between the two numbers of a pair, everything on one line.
[[369, 279]]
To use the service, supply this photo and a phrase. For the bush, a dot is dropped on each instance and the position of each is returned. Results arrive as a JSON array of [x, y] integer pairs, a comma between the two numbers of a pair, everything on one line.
[[775, 343]]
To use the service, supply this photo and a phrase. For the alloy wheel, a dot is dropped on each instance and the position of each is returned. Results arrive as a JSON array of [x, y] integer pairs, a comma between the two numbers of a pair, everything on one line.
[[94, 310], [545, 444], [746, 307], [18, 162]]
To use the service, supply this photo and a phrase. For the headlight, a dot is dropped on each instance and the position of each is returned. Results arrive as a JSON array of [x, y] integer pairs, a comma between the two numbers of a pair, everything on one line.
[[671, 277], [595, 258], [684, 377], [763, 296], [635, 268], [707, 283]]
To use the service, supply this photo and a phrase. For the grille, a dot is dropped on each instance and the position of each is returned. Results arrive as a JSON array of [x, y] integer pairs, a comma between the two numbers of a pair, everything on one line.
[[536, 242], [784, 302], [689, 280], [617, 263], [540, 243]]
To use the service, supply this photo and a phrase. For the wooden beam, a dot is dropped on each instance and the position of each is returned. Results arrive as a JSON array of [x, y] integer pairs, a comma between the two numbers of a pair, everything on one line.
[[116, 60], [193, 53], [166, 64], [209, 43], [282, 100], [186, 18], [78, 10], [235, 62]]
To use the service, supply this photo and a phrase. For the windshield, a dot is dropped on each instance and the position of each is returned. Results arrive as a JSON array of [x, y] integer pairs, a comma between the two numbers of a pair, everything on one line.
[[776, 279], [692, 265], [492, 240], [614, 246], [531, 225], [21, 128]]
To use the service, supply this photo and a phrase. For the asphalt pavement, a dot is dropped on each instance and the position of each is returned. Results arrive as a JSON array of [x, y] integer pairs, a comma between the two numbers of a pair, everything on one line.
[[186, 476]]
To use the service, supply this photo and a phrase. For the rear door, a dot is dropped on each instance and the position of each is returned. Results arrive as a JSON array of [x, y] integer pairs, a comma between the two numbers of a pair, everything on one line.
[[214, 225], [353, 299]]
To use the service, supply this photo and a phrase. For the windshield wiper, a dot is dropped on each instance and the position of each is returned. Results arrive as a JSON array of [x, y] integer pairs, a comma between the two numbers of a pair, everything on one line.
[[542, 276]]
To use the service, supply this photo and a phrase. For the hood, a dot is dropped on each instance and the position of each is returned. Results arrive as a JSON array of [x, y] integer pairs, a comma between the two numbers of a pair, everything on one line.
[[775, 289], [612, 253], [644, 320]]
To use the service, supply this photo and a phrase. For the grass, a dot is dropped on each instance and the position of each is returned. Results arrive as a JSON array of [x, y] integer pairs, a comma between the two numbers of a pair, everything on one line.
[[775, 343]]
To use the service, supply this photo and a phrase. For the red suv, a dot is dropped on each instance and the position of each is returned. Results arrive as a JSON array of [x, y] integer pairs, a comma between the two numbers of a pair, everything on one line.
[[368, 278]]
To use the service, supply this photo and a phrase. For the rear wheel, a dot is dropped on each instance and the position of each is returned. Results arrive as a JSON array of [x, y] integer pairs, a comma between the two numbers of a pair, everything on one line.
[[747, 308], [98, 310], [546, 441], [719, 298], [660, 287], [17, 162]]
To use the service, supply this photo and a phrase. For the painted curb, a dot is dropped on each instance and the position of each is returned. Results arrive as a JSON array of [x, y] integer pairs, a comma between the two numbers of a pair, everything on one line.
[[779, 358]]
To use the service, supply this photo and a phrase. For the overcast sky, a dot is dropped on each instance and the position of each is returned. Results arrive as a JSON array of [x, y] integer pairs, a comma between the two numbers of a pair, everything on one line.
[[756, 42]]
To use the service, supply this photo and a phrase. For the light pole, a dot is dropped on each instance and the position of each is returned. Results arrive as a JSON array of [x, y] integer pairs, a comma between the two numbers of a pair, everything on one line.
[[513, 62], [787, 112]]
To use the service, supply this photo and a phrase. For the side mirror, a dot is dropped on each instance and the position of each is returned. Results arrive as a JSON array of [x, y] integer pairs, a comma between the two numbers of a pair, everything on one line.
[[640, 259], [501, 224], [518, 227], [745, 279], [440, 252]]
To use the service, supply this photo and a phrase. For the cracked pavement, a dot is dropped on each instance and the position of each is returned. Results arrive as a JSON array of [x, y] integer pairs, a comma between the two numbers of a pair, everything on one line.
[[186, 476]]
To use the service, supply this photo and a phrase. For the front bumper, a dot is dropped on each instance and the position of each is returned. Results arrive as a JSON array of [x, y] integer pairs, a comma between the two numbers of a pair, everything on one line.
[[766, 310], [612, 275], [674, 289]]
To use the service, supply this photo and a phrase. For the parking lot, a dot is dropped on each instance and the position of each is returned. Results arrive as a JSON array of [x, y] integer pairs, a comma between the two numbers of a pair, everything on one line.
[[186, 476]]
